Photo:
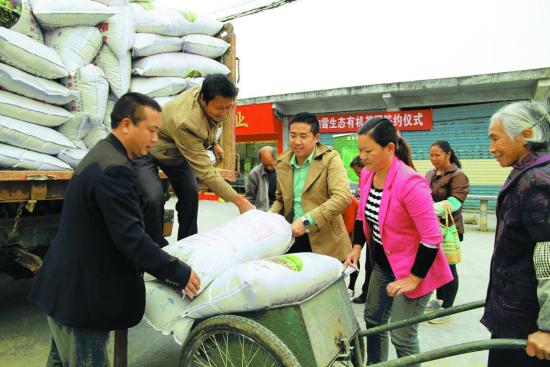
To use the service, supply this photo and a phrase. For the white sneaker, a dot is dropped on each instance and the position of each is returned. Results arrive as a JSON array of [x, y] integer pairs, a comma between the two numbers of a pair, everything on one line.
[[433, 305]]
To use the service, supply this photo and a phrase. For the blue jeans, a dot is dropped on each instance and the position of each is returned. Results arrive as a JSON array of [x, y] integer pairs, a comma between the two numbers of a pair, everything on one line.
[[380, 308], [73, 347]]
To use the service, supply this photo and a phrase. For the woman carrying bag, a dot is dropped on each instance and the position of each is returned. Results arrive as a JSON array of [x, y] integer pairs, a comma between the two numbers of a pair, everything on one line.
[[449, 186]]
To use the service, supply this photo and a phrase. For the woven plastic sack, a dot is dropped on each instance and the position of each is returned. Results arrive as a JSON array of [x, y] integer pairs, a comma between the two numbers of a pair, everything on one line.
[[92, 92], [203, 45], [31, 56], [27, 24], [76, 46], [108, 109], [118, 31], [178, 64], [95, 134], [62, 13], [41, 89], [33, 137], [26, 109], [76, 128], [117, 69], [147, 44], [72, 156], [17, 158], [162, 86], [163, 100]]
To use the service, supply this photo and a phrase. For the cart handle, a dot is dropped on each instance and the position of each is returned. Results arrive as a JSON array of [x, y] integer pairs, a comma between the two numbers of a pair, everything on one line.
[[422, 318], [454, 350]]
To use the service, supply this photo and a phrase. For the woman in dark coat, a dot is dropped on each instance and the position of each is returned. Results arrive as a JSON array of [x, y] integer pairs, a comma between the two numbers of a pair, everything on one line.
[[518, 297]]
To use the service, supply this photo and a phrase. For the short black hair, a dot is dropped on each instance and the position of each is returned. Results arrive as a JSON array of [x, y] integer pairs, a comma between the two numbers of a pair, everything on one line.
[[215, 85], [306, 118], [357, 162], [129, 105]]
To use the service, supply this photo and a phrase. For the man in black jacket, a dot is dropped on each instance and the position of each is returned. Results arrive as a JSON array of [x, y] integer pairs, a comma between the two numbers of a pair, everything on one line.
[[91, 280]]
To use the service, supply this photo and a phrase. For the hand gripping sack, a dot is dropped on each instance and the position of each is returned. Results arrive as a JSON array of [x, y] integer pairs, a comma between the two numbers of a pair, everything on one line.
[[451, 242]]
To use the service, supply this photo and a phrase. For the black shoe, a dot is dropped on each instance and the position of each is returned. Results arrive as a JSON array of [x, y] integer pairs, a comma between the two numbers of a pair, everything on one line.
[[359, 299]]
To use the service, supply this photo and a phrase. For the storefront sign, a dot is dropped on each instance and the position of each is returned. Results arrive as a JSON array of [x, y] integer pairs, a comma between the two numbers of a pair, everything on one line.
[[351, 122]]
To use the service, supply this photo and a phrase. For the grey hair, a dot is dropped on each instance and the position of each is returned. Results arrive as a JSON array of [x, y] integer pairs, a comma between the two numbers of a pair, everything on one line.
[[268, 148], [519, 116]]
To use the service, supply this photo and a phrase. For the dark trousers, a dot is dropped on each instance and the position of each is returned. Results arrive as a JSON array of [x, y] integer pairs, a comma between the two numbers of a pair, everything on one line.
[[447, 293], [73, 347], [513, 358], [301, 244], [183, 181], [368, 271]]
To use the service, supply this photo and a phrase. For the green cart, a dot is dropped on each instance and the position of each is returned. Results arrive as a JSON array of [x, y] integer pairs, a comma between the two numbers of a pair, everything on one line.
[[319, 331]]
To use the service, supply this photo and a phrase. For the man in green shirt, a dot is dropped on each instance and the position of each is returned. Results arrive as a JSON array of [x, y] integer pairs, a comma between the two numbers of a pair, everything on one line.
[[313, 191]]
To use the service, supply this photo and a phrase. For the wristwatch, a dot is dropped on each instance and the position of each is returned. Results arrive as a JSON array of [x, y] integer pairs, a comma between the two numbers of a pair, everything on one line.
[[306, 221]]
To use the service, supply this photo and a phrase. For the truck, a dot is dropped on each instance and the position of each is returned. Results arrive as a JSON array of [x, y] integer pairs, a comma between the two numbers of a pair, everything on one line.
[[31, 201]]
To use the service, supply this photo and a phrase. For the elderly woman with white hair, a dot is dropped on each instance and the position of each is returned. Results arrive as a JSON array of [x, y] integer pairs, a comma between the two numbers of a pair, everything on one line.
[[518, 297]]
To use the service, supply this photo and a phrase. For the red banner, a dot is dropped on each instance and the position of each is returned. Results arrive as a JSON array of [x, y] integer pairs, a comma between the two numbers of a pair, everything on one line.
[[351, 122]]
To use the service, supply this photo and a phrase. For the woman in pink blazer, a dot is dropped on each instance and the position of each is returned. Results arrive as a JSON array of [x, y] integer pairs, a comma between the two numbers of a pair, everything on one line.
[[397, 220]]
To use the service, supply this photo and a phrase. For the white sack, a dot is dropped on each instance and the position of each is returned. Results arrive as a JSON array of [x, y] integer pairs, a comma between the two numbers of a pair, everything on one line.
[[80, 145], [72, 156], [195, 82], [117, 69], [201, 24], [62, 13], [26, 54], [118, 31], [178, 64], [27, 24], [108, 109], [76, 46], [162, 86], [17, 158], [261, 284], [112, 2], [33, 137], [26, 109], [250, 286], [147, 44], [163, 100], [250, 236], [45, 90], [93, 91], [94, 135], [76, 128], [207, 46], [163, 21]]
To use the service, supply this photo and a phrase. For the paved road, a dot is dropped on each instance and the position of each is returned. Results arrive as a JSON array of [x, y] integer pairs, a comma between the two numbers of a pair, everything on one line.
[[24, 336]]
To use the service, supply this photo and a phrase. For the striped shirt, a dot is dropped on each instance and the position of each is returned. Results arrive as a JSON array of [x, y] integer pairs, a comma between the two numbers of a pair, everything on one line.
[[371, 213]]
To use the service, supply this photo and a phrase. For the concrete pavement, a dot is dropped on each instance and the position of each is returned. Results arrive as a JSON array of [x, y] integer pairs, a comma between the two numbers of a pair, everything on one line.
[[25, 338]]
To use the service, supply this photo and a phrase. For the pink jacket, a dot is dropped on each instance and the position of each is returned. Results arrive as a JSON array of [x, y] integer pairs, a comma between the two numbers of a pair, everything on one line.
[[406, 218]]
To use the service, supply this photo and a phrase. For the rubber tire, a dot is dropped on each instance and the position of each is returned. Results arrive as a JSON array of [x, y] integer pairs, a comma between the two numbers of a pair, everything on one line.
[[238, 325]]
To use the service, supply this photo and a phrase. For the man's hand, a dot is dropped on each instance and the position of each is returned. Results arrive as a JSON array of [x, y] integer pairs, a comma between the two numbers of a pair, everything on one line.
[[218, 152], [401, 286], [193, 285], [298, 228], [352, 260], [243, 204], [538, 345]]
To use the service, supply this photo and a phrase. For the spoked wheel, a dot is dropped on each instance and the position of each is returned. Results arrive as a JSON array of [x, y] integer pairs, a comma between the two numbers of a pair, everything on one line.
[[231, 341]]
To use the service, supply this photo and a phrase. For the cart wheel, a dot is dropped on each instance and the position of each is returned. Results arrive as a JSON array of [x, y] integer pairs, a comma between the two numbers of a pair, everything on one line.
[[230, 340]]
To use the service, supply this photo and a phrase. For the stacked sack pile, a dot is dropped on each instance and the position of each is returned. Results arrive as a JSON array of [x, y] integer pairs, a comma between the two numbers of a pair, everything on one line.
[[172, 50], [241, 268], [64, 64]]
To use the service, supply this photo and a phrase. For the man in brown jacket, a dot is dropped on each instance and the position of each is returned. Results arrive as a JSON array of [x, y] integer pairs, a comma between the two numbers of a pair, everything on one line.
[[189, 125], [313, 191]]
